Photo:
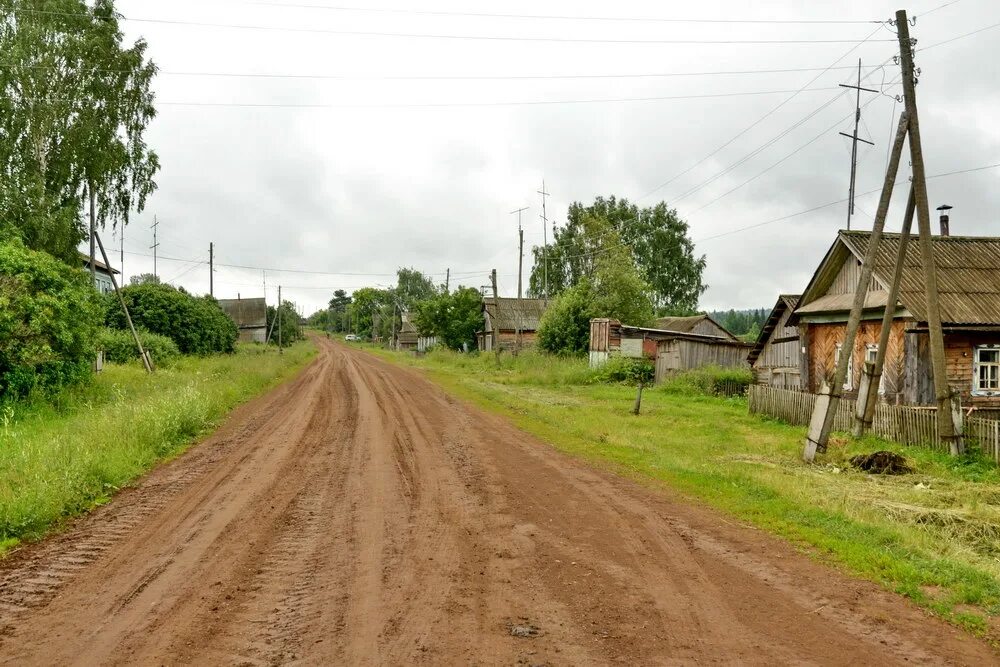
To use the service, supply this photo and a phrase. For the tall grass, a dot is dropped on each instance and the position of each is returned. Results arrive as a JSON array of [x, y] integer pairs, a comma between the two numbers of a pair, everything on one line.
[[933, 536], [62, 456]]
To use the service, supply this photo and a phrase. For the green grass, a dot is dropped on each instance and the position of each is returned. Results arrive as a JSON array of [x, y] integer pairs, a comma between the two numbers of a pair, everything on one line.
[[933, 536], [63, 456]]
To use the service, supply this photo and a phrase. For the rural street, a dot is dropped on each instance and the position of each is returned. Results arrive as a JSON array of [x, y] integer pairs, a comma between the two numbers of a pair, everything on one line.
[[359, 515]]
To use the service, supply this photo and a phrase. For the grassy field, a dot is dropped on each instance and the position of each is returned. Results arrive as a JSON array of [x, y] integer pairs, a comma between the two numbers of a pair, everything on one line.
[[933, 536], [65, 455]]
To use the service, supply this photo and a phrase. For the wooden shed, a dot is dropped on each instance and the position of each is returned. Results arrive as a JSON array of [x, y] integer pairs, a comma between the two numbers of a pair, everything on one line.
[[407, 337], [968, 273], [679, 351], [776, 355], [611, 338], [250, 316], [695, 324], [516, 319]]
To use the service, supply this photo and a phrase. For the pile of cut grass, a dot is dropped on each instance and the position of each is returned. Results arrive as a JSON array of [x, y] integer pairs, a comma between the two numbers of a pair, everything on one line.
[[64, 455]]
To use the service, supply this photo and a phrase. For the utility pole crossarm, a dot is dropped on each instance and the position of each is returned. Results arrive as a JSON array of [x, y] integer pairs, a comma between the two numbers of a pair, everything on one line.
[[854, 141]]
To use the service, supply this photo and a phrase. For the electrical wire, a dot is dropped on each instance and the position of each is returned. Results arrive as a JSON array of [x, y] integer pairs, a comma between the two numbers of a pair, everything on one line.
[[445, 36]]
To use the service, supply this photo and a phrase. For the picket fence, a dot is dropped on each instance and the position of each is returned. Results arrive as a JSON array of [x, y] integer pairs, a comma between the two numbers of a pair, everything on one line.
[[904, 424]]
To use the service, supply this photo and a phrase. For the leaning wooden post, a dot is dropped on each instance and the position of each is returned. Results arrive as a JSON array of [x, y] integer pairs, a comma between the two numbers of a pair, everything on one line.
[[942, 391], [825, 411], [146, 361], [638, 400], [872, 378]]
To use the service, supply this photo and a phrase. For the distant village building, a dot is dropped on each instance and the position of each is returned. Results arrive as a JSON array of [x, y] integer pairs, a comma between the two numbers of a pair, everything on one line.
[[407, 338], [512, 315], [776, 355], [250, 316], [968, 274], [685, 348], [102, 272]]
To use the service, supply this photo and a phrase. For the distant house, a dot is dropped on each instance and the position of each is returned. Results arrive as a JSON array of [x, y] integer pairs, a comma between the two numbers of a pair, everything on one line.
[[102, 272], [250, 316], [695, 324], [672, 350], [407, 337], [511, 315], [968, 274], [776, 355]]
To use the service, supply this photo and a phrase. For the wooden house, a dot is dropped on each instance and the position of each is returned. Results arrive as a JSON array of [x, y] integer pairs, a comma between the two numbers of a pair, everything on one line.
[[695, 324], [250, 316], [514, 318], [102, 273], [968, 274], [407, 337], [672, 351], [775, 357]]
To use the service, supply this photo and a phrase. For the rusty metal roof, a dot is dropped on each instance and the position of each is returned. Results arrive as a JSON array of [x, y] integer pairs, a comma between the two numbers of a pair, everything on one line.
[[968, 274]]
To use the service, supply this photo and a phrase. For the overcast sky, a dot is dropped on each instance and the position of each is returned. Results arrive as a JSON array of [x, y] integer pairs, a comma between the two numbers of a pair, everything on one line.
[[411, 151]]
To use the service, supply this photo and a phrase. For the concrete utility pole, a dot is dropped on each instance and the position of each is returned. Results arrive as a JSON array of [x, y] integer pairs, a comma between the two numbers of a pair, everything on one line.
[[493, 317], [947, 402], [146, 361], [278, 314], [211, 269], [854, 141], [829, 398], [872, 376], [156, 243], [93, 235], [545, 245], [122, 250]]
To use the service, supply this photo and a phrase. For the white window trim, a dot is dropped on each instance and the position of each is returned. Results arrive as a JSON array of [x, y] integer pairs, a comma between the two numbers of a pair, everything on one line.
[[849, 381], [976, 391], [873, 348]]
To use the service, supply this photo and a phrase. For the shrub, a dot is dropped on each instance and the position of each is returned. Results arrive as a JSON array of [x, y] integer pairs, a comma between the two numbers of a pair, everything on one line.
[[710, 380], [49, 315], [119, 346], [196, 324], [624, 370]]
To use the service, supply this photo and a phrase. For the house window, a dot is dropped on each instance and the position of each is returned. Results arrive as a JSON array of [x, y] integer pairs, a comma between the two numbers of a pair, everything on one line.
[[871, 351], [849, 382], [986, 369]]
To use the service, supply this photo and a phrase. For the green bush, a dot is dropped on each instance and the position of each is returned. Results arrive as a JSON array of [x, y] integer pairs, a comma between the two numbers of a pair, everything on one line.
[[624, 370], [49, 315], [710, 380], [119, 346], [196, 324]]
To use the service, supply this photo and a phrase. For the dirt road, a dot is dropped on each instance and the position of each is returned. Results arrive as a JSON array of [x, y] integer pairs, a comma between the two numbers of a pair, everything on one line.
[[358, 515]]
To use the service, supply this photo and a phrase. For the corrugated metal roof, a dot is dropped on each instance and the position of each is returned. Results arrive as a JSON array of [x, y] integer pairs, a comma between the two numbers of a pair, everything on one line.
[[968, 274], [513, 313], [839, 302], [247, 313], [685, 324]]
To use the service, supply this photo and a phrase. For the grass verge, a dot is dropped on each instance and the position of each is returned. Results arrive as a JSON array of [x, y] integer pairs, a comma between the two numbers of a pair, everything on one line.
[[933, 536], [62, 457]]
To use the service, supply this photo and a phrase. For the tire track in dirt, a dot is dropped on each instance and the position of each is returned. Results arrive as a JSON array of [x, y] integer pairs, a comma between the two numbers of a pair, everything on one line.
[[359, 515]]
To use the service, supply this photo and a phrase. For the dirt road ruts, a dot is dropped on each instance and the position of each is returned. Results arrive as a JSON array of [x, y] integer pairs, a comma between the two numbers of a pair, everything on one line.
[[358, 515]]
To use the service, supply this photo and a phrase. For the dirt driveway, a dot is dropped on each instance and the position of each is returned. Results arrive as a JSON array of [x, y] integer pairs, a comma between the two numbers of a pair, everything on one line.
[[358, 515]]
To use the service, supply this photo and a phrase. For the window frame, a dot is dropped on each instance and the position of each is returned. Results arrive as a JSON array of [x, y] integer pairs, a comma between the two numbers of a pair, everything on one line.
[[872, 350], [849, 381], [977, 364]]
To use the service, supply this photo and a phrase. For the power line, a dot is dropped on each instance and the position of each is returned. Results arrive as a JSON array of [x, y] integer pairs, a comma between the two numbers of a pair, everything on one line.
[[409, 35], [564, 17]]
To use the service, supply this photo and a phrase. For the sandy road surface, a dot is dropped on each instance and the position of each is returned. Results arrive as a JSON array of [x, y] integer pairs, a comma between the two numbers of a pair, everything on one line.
[[358, 515]]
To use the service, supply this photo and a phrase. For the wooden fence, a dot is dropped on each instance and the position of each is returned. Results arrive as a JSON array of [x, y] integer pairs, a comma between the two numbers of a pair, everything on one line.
[[904, 424]]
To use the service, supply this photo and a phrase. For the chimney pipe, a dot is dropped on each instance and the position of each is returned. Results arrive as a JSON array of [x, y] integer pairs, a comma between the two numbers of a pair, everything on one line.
[[945, 228]]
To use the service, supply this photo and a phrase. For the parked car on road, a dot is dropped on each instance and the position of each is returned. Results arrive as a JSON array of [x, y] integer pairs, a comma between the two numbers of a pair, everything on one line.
[[351, 338]]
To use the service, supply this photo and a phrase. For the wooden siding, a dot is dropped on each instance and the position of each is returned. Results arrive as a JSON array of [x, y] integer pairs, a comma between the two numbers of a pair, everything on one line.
[[846, 281], [778, 363], [709, 328], [680, 355], [821, 351]]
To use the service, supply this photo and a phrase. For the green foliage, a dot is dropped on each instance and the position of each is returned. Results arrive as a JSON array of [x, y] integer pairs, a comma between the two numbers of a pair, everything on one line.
[[710, 380], [624, 370], [145, 279], [338, 318], [74, 106], [49, 315], [614, 290], [654, 239], [291, 328], [744, 323], [412, 287], [63, 456], [119, 346], [453, 317], [196, 324]]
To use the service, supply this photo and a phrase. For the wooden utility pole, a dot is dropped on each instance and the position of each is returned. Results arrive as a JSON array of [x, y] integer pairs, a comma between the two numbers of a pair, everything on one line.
[[146, 361], [942, 391], [854, 141], [447, 279], [278, 315], [871, 378], [495, 315], [520, 267], [156, 244], [545, 245], [829, 399], [211, 269], [93, 235]]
